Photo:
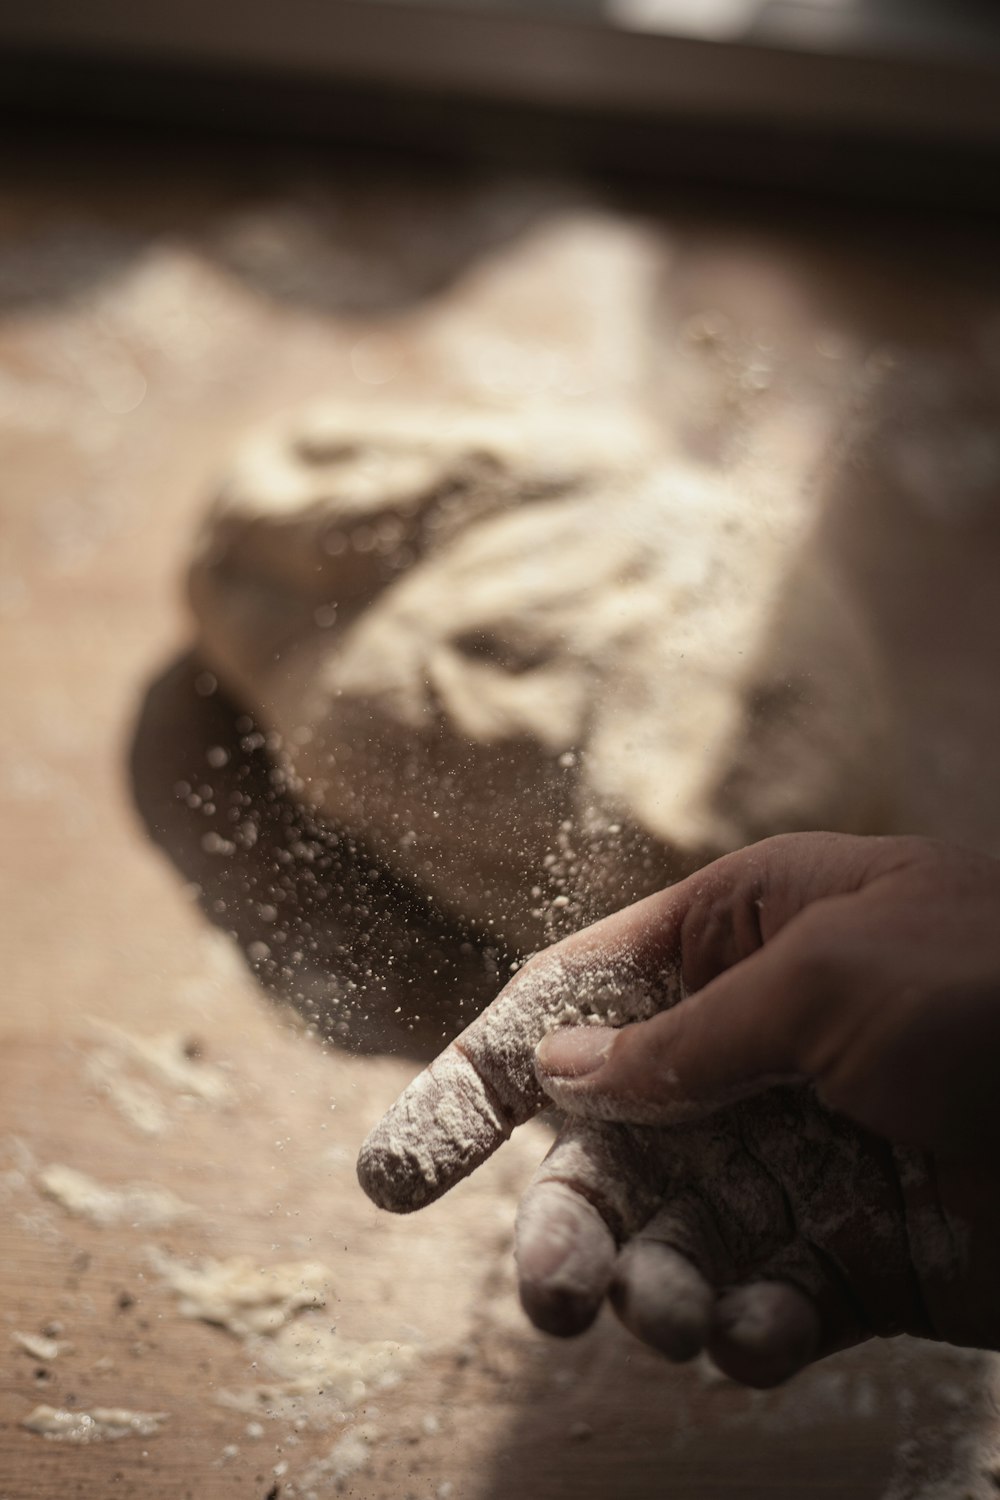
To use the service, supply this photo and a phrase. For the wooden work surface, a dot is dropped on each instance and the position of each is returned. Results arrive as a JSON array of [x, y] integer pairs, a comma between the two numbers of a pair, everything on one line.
[[152, 306]]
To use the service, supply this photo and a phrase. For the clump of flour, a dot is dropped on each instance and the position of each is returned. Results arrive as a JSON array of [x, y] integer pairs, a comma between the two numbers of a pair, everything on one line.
[[42, 1347], [143, 1205], [142, 1077], [348, 1456], [315, 1373], [102, 1424], [240, 1295]]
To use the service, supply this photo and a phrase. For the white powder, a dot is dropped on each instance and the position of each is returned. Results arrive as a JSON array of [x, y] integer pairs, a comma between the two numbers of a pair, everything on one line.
[[139, 1204], [100, 1424], [315, 1373], [142, 1076], [138, 1104], [39, 1346], [420, 1163], [240, 1295], [166, 1059], [348, 1456], [312, 1357], [957, 1455]]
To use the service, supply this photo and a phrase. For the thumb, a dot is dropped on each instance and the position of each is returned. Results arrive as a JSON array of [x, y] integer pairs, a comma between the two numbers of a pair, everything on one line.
[[748, 1029]]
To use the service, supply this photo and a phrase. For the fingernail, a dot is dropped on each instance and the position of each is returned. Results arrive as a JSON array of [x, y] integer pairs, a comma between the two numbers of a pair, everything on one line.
[[575, 1051]]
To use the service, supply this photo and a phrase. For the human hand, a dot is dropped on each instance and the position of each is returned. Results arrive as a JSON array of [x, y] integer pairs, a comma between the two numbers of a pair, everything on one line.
[[776, 1231]]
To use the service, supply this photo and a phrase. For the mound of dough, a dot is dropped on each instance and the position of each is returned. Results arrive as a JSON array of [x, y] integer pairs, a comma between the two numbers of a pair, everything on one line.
[[540, 671]]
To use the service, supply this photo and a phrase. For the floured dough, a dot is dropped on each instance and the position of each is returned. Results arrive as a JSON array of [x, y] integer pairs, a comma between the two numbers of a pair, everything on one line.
[[536, 694], [541, 659]]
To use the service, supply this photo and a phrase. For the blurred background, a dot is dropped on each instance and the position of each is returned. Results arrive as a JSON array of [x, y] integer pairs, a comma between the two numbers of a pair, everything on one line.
[[895, 93], [738, 258]]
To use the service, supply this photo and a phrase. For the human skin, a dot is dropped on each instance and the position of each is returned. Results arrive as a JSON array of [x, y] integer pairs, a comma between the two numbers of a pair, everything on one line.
[[794, 1152]]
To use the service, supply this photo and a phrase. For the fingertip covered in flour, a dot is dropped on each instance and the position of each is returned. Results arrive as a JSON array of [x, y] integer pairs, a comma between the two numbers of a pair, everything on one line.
[[441, 1128]]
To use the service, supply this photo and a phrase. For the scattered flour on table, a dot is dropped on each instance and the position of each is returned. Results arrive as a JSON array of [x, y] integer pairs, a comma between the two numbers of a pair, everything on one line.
[[142, 1205], [240, 1295], [138, 1104], [17, 1166], [315, 1373], [39, 1346], [348, 1456], [100, 1424], [166, 1058], [957, 1455], [134, 1072], [318, 1374]]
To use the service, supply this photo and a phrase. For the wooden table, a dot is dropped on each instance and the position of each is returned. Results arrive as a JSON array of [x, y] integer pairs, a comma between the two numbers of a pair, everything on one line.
[[152, 305]]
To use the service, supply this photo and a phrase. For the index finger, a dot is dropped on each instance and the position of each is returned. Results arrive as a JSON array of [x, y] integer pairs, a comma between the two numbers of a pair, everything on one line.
[[625, 968], [455, 1114]]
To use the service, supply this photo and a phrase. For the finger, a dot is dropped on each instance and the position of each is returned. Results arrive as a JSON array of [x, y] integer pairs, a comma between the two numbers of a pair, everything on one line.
[[624, 969], [565, 1259], [595, 1187], [459, 1110], [763, 1333], [439, 1130], [845, 1189], [750, 1028], [664, 1278], [731, 1215], [797, 1309]]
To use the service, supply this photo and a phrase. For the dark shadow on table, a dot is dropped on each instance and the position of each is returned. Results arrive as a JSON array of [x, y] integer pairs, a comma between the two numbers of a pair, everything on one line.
[[367, 961], [604, 1418]]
